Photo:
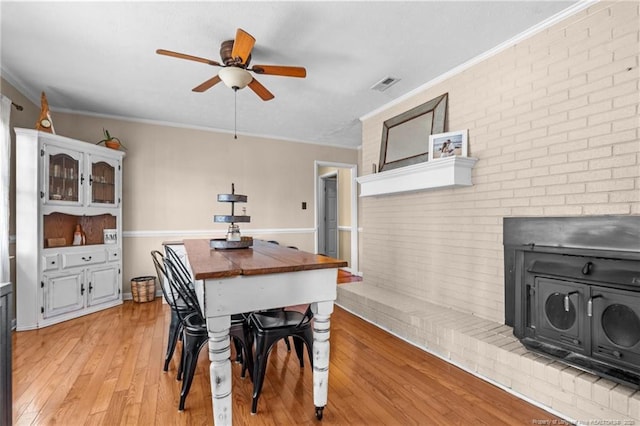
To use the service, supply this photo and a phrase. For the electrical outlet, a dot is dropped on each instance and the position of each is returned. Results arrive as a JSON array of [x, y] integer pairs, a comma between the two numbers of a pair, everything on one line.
[[304, 205]]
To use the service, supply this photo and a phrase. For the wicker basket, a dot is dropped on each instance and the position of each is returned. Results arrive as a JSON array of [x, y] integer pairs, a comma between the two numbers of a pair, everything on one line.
[[143, 289]]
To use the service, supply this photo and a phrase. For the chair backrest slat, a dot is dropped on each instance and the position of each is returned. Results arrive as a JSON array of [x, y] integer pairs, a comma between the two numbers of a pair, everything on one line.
[[158, 262], [182, 287], [181, 270]]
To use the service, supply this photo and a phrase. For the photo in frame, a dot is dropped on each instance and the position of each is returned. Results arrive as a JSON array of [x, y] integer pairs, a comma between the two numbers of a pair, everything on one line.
[[450, 144]]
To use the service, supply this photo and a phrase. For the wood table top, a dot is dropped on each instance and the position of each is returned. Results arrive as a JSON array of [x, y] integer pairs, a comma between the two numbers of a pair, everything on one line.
[[262, 258]]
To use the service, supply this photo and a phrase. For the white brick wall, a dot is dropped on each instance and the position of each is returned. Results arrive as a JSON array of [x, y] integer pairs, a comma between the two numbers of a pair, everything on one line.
[[553, 121]]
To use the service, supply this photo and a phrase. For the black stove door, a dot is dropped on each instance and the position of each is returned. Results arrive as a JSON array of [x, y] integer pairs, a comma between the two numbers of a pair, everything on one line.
[[616, 326], [560, 314]]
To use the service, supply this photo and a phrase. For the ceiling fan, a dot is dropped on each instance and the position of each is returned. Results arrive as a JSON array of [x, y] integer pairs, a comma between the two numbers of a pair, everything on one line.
[[236, 55]]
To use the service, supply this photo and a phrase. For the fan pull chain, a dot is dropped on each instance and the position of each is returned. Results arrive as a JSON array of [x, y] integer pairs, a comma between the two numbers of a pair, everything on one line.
[[235, 113]]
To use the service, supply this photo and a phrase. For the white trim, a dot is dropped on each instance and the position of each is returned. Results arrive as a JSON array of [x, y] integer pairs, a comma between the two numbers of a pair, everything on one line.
[[571, 10], [211, 233], [344, 228], [129, 296], [441, 173], [329, 175], [354, 263], [464, 368]]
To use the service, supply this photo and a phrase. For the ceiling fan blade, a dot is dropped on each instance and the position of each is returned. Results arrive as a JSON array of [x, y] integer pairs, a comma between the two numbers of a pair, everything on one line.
[[207, 84], [242, 45], [260, 90], [189, 57], [280, 70]]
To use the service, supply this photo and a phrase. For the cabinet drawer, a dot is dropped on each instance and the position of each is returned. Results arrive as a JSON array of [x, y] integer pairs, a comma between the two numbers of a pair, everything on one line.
[[70, 260], [50, 262], [113, 254]]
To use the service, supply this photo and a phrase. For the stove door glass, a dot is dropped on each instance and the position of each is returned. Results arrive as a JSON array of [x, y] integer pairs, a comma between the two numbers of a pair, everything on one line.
[[560, 314], [616, 326]]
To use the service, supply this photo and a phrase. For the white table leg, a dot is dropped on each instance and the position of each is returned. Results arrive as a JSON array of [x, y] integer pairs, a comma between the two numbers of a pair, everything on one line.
[[321, 325], [220, 369]]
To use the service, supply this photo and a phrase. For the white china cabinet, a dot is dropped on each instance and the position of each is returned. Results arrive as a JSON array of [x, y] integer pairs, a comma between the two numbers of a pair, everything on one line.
[[68, 197]]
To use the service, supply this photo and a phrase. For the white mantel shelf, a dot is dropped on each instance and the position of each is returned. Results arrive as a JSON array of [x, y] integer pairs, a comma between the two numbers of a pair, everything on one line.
[[437, 174]]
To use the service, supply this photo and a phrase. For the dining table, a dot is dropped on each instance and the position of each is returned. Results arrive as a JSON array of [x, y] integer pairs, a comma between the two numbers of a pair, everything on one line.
[[262, 276]]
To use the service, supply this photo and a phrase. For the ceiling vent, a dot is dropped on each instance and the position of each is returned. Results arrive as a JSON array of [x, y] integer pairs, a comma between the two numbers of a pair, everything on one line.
[[385, 83]]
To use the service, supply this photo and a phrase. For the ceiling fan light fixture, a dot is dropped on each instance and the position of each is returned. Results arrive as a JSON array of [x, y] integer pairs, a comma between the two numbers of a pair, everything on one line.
[[235, 78]]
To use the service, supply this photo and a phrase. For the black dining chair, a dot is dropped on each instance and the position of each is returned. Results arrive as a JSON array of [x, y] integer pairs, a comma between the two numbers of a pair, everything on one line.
[[185, 275], [268, 328], [194, 327], [175, 326]]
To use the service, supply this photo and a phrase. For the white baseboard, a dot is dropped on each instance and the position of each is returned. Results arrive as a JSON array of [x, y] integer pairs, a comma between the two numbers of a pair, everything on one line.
[[129, 296]]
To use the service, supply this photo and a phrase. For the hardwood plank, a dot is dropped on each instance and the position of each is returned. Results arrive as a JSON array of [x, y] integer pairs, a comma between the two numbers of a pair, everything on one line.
[[106, 369], [301, 260], [346, 277], [253, 262], [262, 258], [206, 263]]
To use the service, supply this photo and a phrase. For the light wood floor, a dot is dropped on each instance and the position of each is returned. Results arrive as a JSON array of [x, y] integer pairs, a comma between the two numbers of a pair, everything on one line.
[[106, 368]]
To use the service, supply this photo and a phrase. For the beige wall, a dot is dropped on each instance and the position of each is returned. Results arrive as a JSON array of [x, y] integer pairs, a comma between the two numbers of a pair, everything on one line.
[[554, 124], [171, 178]]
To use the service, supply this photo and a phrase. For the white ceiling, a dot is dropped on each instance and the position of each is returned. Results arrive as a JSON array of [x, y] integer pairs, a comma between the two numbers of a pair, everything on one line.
[[99, 58]]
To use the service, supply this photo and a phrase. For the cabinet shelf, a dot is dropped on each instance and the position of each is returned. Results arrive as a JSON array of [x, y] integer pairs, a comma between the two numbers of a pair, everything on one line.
[[62, 225]]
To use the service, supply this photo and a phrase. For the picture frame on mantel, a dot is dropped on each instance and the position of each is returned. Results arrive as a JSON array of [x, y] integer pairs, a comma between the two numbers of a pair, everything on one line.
[[405, 137], [450, 144]]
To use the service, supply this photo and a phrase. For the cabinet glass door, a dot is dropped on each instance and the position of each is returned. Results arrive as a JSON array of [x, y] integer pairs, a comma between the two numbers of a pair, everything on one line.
[[103, 181], [63, 176]]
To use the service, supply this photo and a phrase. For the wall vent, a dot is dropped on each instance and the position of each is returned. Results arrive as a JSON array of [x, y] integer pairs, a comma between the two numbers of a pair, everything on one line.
[[385, 83]]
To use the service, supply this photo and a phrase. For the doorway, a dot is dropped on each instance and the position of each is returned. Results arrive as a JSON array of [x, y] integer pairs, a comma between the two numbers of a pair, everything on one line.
[[344, 217]]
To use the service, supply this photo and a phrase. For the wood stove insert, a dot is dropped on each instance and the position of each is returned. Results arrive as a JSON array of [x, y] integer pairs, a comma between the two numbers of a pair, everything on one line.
[[579, 305]]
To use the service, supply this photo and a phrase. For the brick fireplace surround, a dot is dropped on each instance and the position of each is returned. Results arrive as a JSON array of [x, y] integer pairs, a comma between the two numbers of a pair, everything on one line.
[[552, 120]]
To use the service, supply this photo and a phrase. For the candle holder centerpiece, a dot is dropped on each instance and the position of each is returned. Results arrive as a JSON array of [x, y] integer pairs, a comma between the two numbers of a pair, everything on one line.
[[234, 239]]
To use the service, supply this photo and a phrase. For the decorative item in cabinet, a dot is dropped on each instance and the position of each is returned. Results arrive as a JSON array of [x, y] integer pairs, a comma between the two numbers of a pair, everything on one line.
[[63, 176], [56, 242], [79, 239], [102, 183], [110, 236]]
